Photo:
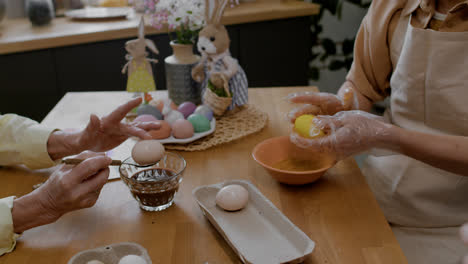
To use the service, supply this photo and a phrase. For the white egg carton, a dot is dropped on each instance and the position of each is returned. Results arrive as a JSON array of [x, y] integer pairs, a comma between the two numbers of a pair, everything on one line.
[[259, 233], [111, 254]]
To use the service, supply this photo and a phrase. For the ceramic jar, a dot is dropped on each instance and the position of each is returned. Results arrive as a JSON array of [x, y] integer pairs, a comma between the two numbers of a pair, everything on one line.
[[179, 82]]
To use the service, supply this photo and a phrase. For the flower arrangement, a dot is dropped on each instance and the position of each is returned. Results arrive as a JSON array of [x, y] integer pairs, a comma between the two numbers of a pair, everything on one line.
[[184, 17]]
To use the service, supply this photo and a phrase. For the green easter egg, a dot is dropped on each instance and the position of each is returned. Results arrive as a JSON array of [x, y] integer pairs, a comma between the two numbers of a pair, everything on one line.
[[200, 123]]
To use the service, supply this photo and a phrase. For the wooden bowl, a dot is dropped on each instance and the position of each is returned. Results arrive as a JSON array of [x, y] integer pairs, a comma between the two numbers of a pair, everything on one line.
[[273, 150]]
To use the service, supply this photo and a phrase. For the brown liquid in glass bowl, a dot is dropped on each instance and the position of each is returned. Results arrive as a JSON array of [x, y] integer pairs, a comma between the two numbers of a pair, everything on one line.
[[160, 190]]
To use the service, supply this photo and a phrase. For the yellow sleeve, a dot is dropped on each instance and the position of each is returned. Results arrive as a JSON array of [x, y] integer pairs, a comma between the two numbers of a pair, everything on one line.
[[7, 235], [24, 141]]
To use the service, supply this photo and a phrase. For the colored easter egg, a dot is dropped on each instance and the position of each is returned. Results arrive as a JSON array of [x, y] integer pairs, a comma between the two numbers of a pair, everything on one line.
[[146, 118], [305, 127], [159, 104], [182, 128], [187, 108], [172, 116], [163, 132], [205, 111], [146, 109], [200, 123]]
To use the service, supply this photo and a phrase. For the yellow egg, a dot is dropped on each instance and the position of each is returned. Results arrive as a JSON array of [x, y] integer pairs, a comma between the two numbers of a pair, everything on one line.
[[306, 128]]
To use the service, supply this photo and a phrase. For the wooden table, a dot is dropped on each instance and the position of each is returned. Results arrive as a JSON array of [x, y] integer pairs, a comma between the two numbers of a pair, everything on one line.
[[339, 212]]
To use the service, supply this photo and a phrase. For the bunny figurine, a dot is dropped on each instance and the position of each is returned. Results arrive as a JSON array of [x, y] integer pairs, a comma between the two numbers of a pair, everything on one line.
[[216, 65], [140, 73]]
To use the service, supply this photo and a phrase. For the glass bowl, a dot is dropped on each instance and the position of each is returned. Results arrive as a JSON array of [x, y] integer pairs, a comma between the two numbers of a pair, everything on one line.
[[154, 187]]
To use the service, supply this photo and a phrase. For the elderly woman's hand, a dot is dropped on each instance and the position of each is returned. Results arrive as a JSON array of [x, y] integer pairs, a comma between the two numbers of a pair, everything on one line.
[[69, 188], [346, 133], [101, 134]]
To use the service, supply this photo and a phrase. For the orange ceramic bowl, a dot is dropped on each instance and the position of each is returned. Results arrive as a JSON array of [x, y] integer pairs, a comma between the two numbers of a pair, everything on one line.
[[274, 150]]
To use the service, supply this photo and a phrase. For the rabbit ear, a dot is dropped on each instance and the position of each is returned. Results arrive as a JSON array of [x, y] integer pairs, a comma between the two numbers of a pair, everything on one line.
[[150, 44], [220, 11], [210, 11], [141, 29]]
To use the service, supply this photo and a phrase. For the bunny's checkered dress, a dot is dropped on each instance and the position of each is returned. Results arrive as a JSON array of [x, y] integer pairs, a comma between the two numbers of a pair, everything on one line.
[[238, 84]]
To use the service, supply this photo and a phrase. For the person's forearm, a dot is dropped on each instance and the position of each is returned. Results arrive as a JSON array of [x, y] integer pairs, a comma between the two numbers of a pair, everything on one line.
[[449, 153], [28, 212], [62, 144]]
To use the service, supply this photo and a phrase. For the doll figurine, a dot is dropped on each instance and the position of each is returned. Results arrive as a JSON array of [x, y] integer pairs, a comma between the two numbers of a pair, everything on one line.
[[217, 67], [140, 73]]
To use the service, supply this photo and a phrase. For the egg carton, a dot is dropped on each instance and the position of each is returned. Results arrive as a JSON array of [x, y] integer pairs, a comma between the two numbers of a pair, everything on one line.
[[111, 254]]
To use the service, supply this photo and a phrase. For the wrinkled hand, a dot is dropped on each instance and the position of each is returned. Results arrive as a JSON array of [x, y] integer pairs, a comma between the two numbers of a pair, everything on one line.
[[347, 133], [109, 132], [321, 103], [69, 188]]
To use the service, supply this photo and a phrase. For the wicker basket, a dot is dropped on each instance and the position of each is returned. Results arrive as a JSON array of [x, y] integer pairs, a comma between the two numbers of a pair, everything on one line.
[[215, 102]]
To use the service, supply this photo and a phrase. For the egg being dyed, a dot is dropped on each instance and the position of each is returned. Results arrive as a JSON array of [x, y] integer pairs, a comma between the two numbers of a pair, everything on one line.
[[200, 123], [147, 152], [187, 108], [146, 118], [232, 197], [132, 259], [204, 110], [305, 127], [163, 132], [182, 129], [146, 109]]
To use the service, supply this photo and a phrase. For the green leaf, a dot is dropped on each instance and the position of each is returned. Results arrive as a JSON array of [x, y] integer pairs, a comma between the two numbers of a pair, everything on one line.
[[189, 12], [329, 46], [314, 73], [348, 46], [178, 19], [336, 65]]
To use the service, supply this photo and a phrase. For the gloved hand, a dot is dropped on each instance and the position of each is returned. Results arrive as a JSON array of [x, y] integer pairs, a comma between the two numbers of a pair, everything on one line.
[[464, 237], [346, 133], [315, 103]]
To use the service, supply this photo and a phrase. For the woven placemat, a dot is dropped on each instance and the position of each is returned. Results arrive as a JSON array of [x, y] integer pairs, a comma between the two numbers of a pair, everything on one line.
[[234, 125]]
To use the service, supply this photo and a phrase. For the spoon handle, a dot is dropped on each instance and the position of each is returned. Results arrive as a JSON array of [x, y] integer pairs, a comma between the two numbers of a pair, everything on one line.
[[78, 161]]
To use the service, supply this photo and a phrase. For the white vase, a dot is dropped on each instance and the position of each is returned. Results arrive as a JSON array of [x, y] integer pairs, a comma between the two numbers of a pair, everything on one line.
[[179, 82]]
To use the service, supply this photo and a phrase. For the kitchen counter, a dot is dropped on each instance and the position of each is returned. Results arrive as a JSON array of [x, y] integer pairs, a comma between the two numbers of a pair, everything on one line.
[[17, 35]]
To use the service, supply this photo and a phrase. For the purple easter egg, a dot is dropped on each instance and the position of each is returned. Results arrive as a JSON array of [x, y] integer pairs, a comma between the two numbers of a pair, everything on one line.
[[187, 108], [204, 110], [146, 118]]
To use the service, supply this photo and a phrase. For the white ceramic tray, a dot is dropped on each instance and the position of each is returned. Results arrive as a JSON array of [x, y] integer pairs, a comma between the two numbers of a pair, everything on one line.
[[111, 254], [196, 136], [99, 13], [259, 233]]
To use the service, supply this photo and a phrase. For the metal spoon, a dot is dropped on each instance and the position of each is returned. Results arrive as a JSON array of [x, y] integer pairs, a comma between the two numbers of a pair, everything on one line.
[[113, 163]]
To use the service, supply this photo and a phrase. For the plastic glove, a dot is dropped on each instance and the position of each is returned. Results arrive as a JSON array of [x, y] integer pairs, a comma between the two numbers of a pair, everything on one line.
[[347, 133], [322, 103], [464, 237]]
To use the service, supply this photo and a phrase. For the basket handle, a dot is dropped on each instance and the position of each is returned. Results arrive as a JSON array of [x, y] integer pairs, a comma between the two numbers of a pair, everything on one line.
[[226, 85]]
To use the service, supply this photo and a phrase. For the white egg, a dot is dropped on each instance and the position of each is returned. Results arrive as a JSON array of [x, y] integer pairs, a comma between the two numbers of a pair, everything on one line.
[[147, 152], [464, 233], [95, 262], [232, 197], [132, 259]]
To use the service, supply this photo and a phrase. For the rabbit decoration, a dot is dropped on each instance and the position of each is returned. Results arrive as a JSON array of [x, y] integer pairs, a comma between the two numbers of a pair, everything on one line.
[[216, 66], [140, 73]]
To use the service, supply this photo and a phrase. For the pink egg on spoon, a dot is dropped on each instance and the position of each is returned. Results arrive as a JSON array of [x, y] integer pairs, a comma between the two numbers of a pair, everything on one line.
[[187, 108]]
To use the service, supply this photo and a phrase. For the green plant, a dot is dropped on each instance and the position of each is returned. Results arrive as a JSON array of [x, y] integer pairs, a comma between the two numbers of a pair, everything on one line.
[[333, 55], [218, 91]]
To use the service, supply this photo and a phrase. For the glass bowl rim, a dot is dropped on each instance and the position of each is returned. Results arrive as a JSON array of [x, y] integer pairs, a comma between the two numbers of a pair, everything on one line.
[[156, 181]]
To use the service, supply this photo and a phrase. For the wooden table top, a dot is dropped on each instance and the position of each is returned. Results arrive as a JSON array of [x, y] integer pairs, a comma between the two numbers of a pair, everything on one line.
[[339, 212], [17, 35]]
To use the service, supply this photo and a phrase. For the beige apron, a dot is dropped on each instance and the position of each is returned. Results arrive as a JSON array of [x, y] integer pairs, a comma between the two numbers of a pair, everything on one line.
[[425, 205]]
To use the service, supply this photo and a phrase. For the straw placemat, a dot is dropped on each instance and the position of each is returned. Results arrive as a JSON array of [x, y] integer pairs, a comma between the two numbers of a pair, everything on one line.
[[234, 125]]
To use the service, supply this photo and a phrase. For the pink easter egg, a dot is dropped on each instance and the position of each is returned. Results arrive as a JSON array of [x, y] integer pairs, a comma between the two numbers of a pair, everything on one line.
[[145, 118]]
